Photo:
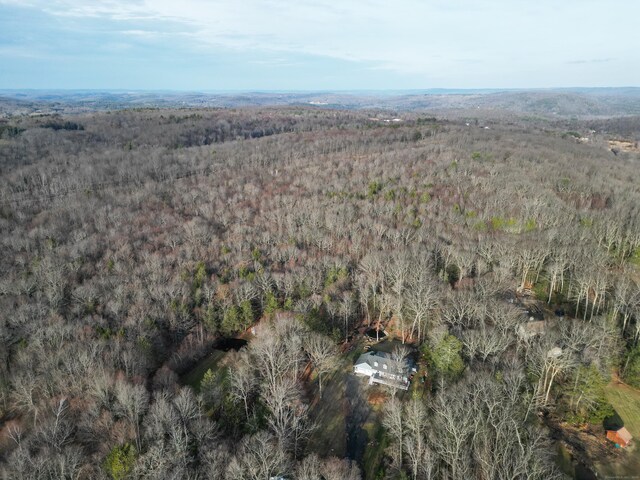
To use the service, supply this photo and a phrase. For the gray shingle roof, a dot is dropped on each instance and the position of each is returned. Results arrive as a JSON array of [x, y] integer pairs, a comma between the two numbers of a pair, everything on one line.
[[378, 360]]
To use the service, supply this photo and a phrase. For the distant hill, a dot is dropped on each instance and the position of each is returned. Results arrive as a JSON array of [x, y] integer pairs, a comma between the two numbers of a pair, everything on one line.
[[578, 102]]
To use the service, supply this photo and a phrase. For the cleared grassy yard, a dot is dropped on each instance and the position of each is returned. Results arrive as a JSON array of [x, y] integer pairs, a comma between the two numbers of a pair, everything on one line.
[[626, 401]]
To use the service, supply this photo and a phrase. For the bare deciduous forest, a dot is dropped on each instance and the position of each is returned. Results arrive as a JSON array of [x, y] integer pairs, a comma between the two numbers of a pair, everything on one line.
[[502, 254]]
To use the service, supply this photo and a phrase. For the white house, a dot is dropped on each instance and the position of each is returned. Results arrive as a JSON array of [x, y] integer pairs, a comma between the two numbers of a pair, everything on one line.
[[380, 367]]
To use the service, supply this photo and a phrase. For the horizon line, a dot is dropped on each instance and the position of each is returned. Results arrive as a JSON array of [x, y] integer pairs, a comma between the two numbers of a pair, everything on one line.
[[450, 90]]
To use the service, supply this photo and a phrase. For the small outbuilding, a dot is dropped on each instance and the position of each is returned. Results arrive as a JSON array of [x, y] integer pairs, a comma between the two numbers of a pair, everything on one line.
[[620, 437]]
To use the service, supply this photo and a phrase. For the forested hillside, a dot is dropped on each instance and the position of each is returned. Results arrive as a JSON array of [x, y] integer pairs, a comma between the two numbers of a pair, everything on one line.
[[134, 241]]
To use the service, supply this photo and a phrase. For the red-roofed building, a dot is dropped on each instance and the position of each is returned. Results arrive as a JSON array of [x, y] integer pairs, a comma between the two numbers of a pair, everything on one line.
[[620, 437]]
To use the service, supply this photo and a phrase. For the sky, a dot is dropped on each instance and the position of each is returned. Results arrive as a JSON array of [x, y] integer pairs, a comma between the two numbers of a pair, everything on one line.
[[233, 45]]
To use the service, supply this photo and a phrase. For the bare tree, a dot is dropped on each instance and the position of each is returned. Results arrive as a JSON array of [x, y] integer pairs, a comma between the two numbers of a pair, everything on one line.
[[242, 380], [453, 425], [400, 355], [463, 309], [626, 300], [322, 353], [133, 401], [340, 469], [346, 310], [548, 360], [260, 458], [309, 468], [485, 342], [421, 299], [394, 423], [416, 447]]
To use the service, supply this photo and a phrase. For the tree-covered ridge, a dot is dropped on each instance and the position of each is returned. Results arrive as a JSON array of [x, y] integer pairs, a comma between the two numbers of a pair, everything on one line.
[[132, 244]]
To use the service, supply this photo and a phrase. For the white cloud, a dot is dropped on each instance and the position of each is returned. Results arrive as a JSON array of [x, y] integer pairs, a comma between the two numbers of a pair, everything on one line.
[[417, 37], [17, 51]]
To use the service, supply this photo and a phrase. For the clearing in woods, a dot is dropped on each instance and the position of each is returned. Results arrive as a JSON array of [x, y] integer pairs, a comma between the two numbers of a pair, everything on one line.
[[626, 401], [349, 416]]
